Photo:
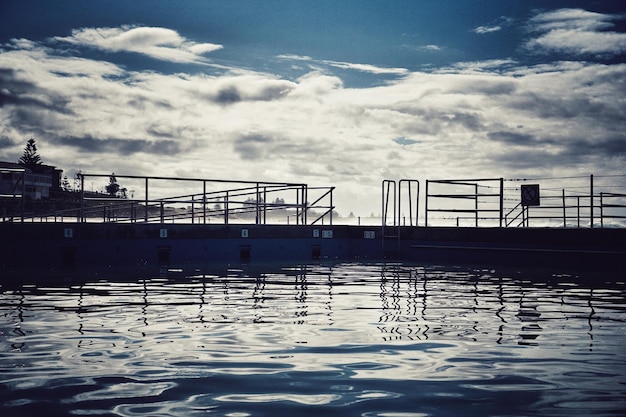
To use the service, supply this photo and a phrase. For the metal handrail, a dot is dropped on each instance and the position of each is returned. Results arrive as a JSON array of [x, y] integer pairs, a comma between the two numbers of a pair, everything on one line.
[[475, 196], [117, 209]]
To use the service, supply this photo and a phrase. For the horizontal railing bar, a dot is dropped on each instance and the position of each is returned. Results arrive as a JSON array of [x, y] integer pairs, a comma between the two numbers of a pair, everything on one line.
[[470, 181], [193, 179]]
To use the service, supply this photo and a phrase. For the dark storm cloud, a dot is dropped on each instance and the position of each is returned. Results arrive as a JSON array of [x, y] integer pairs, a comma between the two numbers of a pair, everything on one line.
[[563, 152], [607, 147], [144, 103], [6, 142], [16, 92], [512, 138], [263, 147], [121, 147], [231, 94], [562, 106], [486, 87], [424, 121], [252, 146], [228, 95]]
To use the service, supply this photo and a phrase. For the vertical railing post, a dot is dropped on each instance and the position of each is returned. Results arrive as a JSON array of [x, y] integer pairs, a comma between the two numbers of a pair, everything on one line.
[[23, 195], [385, 201], [476, 205], [226, 208], [591, 200], [265, 205], [331, 205], [204, 202], [304, 189], [426, 205], [399, 206], [257, 205], [564, 208], [602, 210], [298, 208], [501, 201], [82, 198], [193, 209], [146, 203]]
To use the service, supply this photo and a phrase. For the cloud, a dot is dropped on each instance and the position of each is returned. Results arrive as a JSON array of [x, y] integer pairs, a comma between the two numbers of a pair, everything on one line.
[[372, 69], [429, 48], [121, 146], [576, 32], [488, 118], [253, 146], [295, 57], [368, 68], [253, 87], [495, 26], [158, 43]]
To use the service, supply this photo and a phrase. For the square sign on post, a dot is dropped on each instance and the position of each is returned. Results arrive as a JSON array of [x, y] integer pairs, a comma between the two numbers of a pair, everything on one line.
[[530, 195]]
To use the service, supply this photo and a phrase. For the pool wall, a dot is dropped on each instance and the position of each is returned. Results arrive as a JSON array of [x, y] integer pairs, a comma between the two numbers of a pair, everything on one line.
[[71, 246]]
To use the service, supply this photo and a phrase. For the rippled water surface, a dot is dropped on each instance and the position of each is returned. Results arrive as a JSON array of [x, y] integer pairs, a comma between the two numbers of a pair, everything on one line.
[[341, 340]]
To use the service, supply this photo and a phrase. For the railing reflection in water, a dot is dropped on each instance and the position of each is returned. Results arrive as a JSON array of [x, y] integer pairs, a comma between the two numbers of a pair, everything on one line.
[[404, 303]]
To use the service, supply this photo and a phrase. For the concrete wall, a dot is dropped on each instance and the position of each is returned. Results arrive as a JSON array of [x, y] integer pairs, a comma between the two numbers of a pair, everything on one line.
[[88, 246]]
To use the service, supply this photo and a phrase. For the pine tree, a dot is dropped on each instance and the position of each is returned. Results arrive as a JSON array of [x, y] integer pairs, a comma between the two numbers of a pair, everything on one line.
[[30, 159]]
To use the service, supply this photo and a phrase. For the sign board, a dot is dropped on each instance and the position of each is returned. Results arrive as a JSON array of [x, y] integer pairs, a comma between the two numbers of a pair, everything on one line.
[[530, 195]]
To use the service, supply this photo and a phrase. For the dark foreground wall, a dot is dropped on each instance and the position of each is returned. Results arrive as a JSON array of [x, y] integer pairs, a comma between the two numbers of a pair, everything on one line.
[[84, 246]]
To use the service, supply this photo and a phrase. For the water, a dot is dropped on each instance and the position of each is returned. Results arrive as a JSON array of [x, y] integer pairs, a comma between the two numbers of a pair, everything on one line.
[[341, 340]]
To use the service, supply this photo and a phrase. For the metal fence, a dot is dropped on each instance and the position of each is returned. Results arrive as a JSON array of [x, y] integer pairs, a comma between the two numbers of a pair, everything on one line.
[[578, 201], [193, 200]]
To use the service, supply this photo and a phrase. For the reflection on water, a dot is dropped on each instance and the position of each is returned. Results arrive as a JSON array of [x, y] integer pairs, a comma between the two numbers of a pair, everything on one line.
[[346, 339]]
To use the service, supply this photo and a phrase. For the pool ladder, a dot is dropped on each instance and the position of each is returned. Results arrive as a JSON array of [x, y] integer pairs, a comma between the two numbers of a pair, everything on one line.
[[392, 223]]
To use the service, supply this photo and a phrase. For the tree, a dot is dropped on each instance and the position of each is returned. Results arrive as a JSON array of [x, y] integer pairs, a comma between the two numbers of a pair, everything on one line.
[[30, 159], [113, 186], [65, 184]]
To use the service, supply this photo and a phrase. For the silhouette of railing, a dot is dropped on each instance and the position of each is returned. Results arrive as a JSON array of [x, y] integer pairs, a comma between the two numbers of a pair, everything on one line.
[[223, 201], [586, 201], [472, 196]]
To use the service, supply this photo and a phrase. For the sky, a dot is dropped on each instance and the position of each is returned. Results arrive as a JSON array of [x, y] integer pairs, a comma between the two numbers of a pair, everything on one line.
[[329, 93]]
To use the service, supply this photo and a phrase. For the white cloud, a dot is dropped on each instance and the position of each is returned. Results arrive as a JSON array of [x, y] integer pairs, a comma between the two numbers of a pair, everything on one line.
[[487, 29], [432, 48], [372, 69], [158, 43], [295, 57], [576, 32], [495, 26]]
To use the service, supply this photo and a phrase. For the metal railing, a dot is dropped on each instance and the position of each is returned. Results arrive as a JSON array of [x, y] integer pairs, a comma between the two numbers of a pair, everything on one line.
[[197, 201], [469, 196], [583, 201], [392, 194]]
